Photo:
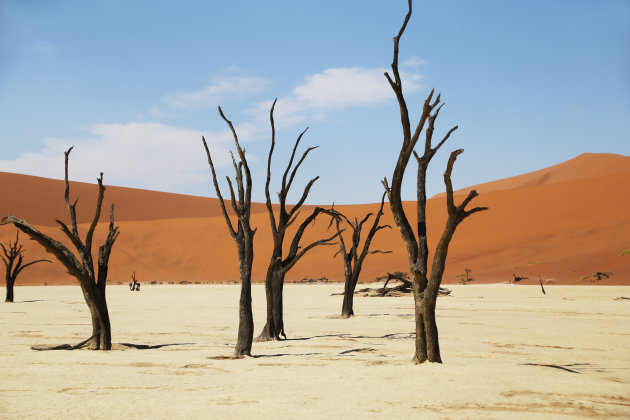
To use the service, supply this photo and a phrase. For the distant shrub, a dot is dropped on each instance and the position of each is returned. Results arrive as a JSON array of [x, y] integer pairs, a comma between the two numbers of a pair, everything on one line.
[[597, 276]]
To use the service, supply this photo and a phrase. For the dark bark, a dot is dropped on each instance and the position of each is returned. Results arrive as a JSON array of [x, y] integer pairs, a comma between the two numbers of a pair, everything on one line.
[[9, 296], [353, 258], [425, 285], [280, 264], [243, 236], [82, 267], [347, 306], [13, 258]]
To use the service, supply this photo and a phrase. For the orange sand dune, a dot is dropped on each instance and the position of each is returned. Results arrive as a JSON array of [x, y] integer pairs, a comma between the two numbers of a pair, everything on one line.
[[561, 223], [40, 201], [585, 166]]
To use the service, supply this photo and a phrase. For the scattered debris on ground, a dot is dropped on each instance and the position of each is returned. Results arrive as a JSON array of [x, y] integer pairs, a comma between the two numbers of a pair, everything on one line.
[[313, 281], [403, 289]]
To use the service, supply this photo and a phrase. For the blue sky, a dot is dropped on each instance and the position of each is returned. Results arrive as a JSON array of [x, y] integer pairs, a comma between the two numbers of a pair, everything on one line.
[[134, 84]]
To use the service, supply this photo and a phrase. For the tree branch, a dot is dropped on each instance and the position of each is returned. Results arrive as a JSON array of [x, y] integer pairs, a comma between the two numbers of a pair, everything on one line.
[[217, 189], [272, 219]]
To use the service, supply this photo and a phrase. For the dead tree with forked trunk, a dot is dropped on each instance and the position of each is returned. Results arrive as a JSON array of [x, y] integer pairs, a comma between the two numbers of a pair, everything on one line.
[[13, 258], [280, 264], [92, 282], [352, 258], [425, 285], [243, 236]]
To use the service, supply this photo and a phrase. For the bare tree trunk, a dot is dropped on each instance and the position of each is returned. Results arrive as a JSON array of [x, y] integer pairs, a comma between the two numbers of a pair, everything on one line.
[[430, 327], [10, 283], [243, 235], [274, 286], [347, 309], [352, 258], [245, 316], [425, 289], [279, 265], [101, 327]]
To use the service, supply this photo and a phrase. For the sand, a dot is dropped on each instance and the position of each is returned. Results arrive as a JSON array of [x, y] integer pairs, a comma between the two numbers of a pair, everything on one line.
[[560, 223], [330, 368]]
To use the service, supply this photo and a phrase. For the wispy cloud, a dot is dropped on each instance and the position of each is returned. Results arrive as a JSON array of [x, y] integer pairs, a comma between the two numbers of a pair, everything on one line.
[[414, 62], [343, 87], [331, 90], [169, 158], [157, 113], [141, 155], [220, 88]]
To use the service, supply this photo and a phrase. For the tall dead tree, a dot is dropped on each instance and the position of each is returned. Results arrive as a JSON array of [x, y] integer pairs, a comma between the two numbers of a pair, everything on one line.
[[425, 285], [13, 258], [243, 236], [92, 281], [352, 258], [280, 264]]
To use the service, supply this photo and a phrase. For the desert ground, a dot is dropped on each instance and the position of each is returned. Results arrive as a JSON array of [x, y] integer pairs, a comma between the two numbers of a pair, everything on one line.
[[509, 352]]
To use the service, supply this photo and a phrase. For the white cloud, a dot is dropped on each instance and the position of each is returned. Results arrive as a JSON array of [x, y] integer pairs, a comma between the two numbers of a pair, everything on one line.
[[211, 95], [344, 87], [331, 90], [168, 158], [141, 155]]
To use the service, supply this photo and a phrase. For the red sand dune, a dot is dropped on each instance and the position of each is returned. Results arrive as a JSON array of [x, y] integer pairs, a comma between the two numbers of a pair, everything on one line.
[[561, 223]]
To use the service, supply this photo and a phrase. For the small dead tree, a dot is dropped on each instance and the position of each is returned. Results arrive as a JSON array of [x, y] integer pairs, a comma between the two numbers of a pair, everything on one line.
[[425, 285], [517, 279], [597, 276], [13, 258], [352, 258], [280, 264], [243, 236], [465, 278], [134, 286], [92, 282]]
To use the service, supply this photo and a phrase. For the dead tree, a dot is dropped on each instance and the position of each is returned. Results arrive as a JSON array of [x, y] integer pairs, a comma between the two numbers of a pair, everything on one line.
[[280, 264], [243, 236], [465, 278], [425, 285], [352, 258], [92, 282], [13, 258], [405, 285], [597, 276], [135, 285], [517, 279]]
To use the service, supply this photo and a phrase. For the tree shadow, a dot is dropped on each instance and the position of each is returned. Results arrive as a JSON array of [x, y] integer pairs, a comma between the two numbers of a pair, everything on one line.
[[258, 356], [156, 346], [343, 335], [30, 301], [567, 368], [391, 336], [360, 350]]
